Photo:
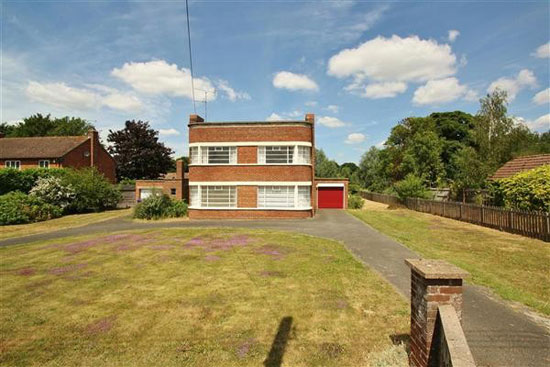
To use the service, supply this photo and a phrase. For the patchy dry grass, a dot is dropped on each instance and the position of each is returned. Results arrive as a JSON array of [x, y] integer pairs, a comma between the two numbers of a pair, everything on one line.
[[194, 297], [515, 267], [68, 221]]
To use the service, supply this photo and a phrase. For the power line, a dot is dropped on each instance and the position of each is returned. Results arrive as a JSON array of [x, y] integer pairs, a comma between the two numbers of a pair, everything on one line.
[[190, 57]]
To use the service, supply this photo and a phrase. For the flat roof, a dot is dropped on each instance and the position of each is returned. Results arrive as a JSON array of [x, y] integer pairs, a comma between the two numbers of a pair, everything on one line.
[[244, 123]]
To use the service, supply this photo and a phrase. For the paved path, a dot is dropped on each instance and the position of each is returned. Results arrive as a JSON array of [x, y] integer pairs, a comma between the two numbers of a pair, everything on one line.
[[497, 334]]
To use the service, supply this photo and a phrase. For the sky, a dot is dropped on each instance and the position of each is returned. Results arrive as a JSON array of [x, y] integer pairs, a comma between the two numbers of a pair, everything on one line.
[[360, 66]]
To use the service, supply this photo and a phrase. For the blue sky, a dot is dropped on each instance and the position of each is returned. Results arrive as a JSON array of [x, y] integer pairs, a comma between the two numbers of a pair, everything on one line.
[[359, 66]]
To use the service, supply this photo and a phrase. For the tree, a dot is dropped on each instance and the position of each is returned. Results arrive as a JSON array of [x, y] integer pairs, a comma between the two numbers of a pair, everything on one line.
[[138, 152], [325, 167], [371, 170], [472, 170], [40, 125]]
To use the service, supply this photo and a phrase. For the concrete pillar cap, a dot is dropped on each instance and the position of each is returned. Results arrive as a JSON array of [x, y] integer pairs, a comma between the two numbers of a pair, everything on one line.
[[436, 269]]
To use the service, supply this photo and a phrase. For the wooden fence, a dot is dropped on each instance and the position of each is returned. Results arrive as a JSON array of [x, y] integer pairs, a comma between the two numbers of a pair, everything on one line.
[[529, 224]]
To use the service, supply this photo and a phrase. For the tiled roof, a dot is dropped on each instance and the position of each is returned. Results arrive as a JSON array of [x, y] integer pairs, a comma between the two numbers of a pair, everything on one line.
[[39, 147], [521, 164]]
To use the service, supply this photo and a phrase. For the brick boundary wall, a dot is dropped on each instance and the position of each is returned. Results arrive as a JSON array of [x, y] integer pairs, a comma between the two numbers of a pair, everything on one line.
[[434, 283], [247, 214]]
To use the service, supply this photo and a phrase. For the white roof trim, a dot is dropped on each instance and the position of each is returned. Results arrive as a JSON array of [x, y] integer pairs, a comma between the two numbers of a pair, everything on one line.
[[248, 143], [250, 183], [330, 184]]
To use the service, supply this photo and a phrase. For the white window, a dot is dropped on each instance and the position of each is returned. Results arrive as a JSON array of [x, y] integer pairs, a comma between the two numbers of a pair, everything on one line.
[[213, 155], [303, 156], [194, 198], [275, 154], [44, 163], [13, 164], [218, 196], [194, 155], [276, 197], [304, 196]]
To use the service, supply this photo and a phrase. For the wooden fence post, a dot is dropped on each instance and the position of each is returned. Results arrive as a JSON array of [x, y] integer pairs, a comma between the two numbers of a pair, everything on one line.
[[482, 221]]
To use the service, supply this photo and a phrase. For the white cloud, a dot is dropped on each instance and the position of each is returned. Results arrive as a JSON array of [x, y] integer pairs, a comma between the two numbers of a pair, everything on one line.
[[159, 77], [513, 86], [333, 108], [292, 81], [233, 95], [453, 35], [542, 123], [274, 117], [355, 138], [542, 97], [311, 103], [122, 102], [543, 51], [394, 59], [332, 122], [169, 132], [61, 95], [384, 90], [441, 91]]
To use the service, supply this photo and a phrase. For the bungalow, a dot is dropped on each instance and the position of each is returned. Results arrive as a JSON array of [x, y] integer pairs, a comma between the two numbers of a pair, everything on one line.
[[521, 164], [57, 151]]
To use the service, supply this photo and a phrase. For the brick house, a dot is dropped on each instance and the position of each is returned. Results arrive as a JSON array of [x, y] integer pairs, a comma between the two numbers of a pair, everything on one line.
[[58, 152], [256, 170], [173, 184], [521, 164]]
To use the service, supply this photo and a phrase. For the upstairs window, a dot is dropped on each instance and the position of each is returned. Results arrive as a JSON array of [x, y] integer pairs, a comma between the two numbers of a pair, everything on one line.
[[303, 156], [44, 163], [276, 154], [13, 164], [213, 155]]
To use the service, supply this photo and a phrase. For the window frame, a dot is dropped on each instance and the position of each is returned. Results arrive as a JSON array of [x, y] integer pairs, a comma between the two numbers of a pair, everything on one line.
[[10, 163], [206, 197], [40, 163]]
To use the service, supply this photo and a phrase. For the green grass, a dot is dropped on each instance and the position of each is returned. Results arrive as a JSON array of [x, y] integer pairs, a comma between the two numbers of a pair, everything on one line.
[[194, 297], [517, 268], [68, 221]]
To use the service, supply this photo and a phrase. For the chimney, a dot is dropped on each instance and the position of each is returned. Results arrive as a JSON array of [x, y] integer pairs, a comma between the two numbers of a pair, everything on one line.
[[94, 145], [179, 169], [310, 117], [195, 119]]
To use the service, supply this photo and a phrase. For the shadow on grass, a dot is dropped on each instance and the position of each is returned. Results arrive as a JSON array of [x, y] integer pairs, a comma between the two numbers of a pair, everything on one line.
[[275, 356]]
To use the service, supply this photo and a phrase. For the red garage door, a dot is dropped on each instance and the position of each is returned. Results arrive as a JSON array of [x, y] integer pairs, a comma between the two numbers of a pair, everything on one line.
[[331, 197]]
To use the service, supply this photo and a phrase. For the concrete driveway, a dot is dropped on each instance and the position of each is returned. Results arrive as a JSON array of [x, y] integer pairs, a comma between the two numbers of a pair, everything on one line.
[[497, 334]]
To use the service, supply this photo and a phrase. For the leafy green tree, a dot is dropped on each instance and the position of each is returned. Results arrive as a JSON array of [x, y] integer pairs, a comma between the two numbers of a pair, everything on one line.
[[6, 128], [411, 187], [528, 190], [138, 152], [472, 170], [422, 157], [325, 167], [371, 170], [40, 125]]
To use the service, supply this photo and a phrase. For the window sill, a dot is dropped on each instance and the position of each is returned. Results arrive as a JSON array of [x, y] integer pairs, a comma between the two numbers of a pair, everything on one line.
[[248, 164], [275, 209]]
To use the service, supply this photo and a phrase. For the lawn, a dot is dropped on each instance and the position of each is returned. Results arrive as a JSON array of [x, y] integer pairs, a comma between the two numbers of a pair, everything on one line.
[[68, 221], [195, 297], [515, 267]]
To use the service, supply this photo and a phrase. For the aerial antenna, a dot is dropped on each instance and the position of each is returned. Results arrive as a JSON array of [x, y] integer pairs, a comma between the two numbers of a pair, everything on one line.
[[206, 102], [190, 57]]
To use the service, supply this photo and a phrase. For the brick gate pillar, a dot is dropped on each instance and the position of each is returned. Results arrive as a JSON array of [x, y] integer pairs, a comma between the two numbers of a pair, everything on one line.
[[433, 283]]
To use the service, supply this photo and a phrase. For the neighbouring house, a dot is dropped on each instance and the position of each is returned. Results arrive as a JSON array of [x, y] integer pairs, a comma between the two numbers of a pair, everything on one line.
[[257, 170], [521, 164], [173, 184], [58, 152]]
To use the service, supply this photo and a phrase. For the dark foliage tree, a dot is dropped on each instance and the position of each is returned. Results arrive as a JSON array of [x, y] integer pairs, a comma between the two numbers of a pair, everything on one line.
[[138, 152]]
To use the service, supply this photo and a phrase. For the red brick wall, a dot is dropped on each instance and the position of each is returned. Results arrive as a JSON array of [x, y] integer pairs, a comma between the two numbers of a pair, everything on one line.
[[106, 165], [329, 180], [203, 133], [247, 214], [250, 173], [75, 158], [247, 155], [164, 185], [247, 196], [103, 161]]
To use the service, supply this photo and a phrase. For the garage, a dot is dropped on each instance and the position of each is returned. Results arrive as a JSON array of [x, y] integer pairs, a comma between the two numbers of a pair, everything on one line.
[[145, 193], [330, 195]]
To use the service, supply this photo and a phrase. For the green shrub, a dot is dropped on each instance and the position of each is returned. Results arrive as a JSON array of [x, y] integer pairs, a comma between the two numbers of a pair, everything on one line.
[[24, 180], [355, 202], [354, 188], [159, 206], [528, 190], [17, 208], [411, 187], [92, 191]]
